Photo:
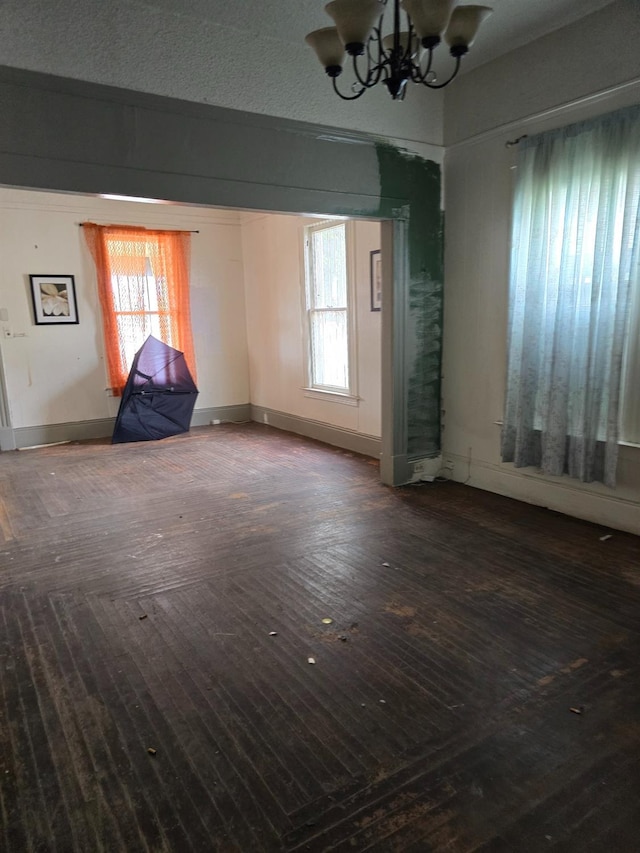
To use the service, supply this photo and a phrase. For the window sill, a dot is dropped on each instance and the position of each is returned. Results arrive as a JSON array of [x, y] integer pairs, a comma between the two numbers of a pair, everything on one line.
[[331, 396]]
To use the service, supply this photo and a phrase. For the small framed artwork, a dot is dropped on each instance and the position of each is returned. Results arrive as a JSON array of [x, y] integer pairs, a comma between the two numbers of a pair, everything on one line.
[[54, 299], [376, 280]]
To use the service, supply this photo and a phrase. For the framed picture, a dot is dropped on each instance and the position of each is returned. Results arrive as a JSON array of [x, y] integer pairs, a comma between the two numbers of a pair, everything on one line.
[[376, 280], [54, 299]]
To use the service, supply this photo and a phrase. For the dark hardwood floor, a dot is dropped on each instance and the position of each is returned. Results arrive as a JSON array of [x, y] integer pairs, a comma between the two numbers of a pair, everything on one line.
[[139, 588]]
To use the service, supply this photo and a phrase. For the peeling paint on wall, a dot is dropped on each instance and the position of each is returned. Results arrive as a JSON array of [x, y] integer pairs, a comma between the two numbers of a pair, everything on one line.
[[419, 182]]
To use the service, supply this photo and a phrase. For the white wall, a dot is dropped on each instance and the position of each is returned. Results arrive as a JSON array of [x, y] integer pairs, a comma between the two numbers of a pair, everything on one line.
[[478, 191], [56, 374], [274, 280], [235, 55], [587, 57]]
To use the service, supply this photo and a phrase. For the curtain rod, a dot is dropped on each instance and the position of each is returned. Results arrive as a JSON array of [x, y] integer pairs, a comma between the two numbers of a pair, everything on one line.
[[177, 230]]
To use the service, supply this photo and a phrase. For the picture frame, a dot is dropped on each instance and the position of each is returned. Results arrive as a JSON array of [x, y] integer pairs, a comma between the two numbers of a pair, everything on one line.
[[376, 280], [54, 299]]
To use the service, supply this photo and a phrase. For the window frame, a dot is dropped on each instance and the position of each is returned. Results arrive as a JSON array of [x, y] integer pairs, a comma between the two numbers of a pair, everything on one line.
[[349, 395], [159, 313]]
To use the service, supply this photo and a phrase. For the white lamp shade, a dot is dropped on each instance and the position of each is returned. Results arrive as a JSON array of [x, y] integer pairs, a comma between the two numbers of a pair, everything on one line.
[[387, 43], [464, 24], [429, 17], [327, 45], [354, 18]]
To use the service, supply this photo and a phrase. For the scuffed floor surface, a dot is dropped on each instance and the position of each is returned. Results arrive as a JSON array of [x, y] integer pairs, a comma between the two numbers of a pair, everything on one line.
[[476, 689]]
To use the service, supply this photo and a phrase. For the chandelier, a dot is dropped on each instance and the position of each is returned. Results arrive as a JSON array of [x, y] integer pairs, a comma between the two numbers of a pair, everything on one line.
[[395, 58]]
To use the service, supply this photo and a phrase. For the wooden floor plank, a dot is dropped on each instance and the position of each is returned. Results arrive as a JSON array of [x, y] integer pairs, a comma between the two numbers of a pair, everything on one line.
[[139, 585]]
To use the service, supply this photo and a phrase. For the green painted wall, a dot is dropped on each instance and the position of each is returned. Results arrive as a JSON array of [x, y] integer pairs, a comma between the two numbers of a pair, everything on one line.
[[419, 181]]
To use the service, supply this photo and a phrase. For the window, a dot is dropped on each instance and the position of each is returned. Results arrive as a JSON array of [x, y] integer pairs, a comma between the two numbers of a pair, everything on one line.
[[574, 301], [327, 308], [630, 422], [143, 282], [140, 298]]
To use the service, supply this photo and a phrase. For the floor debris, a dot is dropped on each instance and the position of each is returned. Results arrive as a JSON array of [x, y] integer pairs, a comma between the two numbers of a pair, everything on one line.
[[386, 565], [327, 621], [273, 633], [577, 710], [144, 616], [606, 536], [152, 751], [311, 660], [343, 637]]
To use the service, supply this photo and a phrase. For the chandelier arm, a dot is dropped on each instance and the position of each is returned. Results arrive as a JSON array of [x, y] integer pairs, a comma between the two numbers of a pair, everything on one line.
[[377, 38], [408, 55], [377, 66], [356, 71], [373, 74], [376, 73], [446, 82], [346, 97], [418, 75], [370, 59]]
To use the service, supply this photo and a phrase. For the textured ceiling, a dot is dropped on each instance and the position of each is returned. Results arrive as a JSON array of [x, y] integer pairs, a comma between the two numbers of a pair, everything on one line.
[[250, 55], [513, 23]]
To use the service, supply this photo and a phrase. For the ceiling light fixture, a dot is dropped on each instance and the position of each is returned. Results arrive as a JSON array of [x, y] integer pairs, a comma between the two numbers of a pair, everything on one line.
[[395, 58]]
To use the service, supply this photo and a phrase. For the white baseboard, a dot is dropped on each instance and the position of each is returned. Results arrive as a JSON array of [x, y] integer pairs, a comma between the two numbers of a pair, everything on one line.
[[222, 414], [103, 427], [357, 442], [588, 502]]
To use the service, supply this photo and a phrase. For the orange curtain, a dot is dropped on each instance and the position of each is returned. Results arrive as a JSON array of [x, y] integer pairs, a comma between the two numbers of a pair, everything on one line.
[[124, 254]]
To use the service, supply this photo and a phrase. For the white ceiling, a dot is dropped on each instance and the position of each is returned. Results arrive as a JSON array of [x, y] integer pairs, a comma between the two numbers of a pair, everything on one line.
[[512, 24]]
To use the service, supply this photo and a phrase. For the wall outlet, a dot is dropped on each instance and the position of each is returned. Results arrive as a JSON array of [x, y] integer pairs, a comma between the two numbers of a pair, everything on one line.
[[448, 465], [418, 467]]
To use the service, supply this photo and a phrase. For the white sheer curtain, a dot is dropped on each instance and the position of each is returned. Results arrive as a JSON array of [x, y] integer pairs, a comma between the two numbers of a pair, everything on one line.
[[575, 262]]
